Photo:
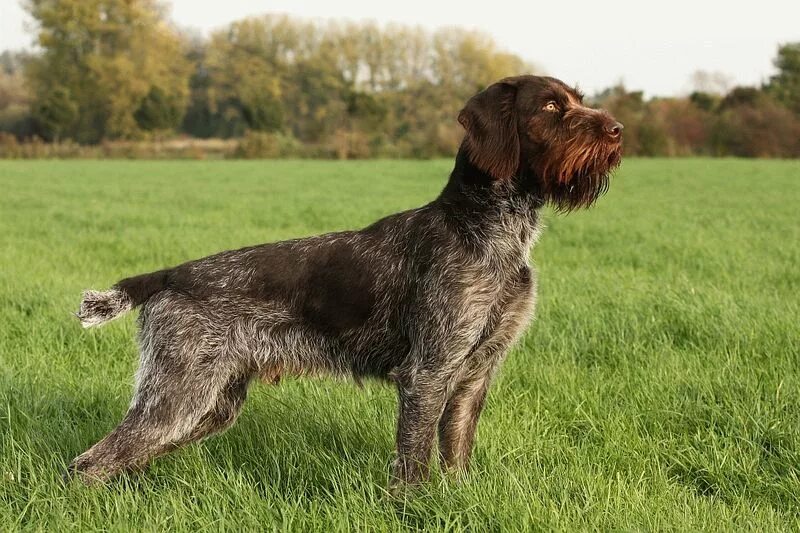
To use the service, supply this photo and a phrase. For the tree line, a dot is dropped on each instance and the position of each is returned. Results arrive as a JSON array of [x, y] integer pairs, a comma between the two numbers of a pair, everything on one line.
[[108, 70]]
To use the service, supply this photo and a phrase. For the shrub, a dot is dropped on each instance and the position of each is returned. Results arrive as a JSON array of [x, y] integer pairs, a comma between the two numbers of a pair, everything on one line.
[[262, 145], [9, 146]]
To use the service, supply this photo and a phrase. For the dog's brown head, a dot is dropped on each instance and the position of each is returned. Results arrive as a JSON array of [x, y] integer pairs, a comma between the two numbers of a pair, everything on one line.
[[538, 126]]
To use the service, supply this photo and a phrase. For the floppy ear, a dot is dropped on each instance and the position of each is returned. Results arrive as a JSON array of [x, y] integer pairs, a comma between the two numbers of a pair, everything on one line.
[[492, 141]]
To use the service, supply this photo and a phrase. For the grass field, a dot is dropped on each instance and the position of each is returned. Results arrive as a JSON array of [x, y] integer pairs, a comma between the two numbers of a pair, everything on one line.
[[659, 387]]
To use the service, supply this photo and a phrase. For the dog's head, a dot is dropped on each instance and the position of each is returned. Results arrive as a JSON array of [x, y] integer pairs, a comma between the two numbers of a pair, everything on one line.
[[538, 126]]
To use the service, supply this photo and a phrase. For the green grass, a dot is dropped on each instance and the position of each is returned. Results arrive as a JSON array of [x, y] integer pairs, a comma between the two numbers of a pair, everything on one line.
[[658, 388]]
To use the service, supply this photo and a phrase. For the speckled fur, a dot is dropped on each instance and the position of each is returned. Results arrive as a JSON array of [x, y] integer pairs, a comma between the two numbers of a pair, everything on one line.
[[431, 299]]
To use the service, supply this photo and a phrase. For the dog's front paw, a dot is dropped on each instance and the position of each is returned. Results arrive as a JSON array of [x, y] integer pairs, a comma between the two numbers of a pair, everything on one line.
[[405, 477]]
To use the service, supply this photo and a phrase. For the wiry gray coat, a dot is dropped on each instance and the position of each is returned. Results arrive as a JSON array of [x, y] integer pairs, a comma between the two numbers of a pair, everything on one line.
[[431, 298]]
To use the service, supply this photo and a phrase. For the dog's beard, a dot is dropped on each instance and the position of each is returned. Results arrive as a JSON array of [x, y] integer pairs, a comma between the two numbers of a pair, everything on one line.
[[578, 174]]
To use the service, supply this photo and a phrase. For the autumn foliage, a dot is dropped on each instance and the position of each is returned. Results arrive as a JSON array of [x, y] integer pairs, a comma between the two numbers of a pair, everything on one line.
[[116, 71]]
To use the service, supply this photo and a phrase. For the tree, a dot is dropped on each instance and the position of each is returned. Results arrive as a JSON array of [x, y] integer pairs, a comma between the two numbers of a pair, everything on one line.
[[751, 123], [55, 113], [349, 88], [246, 65], [200, 118], [704, 101], [109, 55], [785, 85], [159, 111], [13, 62], [703, 81], [685, 125], [14, 95]]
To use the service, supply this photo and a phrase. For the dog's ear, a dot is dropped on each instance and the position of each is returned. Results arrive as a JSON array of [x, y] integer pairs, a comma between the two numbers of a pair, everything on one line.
[[490, 118]]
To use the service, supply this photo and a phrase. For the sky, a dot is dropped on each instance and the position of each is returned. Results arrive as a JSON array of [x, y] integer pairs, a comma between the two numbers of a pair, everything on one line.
[[650, 46]]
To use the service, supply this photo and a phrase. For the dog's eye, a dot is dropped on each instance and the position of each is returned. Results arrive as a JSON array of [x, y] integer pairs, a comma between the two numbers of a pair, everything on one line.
[[551, 107]]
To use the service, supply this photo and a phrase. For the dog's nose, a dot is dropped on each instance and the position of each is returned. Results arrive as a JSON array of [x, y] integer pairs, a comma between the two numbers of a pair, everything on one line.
[[614, 129]]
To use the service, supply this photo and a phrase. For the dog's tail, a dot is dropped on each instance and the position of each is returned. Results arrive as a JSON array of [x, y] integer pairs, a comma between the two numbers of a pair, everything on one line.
[[99, 307]]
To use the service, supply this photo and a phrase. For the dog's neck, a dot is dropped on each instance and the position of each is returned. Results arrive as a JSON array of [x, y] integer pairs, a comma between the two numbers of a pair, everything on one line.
[[488, 212]]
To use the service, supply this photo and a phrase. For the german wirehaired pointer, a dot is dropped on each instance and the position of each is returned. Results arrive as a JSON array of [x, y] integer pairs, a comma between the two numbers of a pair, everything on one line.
[[430, 299]]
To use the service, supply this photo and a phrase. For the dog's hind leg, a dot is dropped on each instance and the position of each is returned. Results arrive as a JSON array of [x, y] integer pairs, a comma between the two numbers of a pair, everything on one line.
[[189, 385], [222, 415], [168, 411]]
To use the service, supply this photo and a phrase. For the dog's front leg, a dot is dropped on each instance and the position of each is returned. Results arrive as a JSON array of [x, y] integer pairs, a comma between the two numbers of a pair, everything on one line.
[[460, 419], [422, 393], [422, 397]]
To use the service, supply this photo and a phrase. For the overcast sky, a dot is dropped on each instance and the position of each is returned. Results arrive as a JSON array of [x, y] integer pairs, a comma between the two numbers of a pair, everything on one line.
[[653, 46]]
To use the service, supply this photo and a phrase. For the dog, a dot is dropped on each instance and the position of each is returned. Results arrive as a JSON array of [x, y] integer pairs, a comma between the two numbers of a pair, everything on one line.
[[430, 299]]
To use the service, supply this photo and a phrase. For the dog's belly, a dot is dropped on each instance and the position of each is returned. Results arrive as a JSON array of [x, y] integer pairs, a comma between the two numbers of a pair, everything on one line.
[[286, 343], [357, 354]]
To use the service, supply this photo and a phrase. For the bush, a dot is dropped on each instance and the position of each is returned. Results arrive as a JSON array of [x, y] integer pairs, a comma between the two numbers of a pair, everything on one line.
[[35, 148], [9, 146], [159, 111], [56, 112], [262, 145], [756, 126], [350, 144]]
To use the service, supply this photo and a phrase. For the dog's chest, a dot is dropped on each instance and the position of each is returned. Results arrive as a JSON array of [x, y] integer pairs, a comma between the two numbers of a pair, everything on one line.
[[489, 288]]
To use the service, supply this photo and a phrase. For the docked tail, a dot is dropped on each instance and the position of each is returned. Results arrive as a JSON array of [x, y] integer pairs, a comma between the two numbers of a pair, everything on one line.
[[99, 307]]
